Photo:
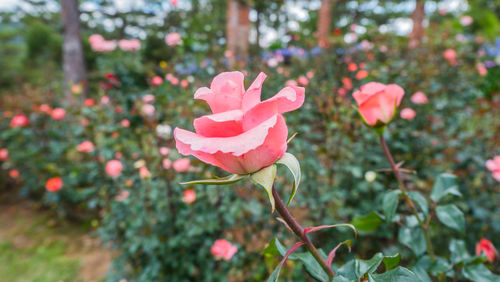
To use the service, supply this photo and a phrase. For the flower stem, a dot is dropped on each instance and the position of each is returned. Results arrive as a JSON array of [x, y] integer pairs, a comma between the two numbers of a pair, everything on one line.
[[299, 232], [409, 202]]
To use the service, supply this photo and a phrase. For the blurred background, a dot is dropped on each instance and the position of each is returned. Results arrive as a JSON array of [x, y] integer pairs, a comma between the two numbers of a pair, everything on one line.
[[83, 83]]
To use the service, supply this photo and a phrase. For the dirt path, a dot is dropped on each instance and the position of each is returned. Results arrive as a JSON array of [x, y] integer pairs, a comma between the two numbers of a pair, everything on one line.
[[35, 246]]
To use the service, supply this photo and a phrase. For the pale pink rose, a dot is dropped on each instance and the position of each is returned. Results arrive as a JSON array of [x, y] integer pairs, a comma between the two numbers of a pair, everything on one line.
[[114, 168], [58, 113], [181, 165], [184, 83], [173, 39], [494, 166], [419, 98], [291, 82], [76, 89], [94, 38], [148, 98], [44, 108], [19, 121], [302, 80], [451, 56], [85, 122], [310, 74], [408, 114], [144, 172], [125, 123], [85, 147], [105, 100], [377, 102], [103, 46], [244, 134], [157, 80], [129, 45], [466, 20], [174, 81], [124, 194], [164, 151], [341, 91], [169, 76], [173, 2], [223, 249], [189, 196], [148, 109], [4, 154], [166, 163], [481, 69]]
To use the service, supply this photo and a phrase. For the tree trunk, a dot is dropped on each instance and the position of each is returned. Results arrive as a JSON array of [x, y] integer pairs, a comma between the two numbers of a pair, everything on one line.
[[237, 30], [73, 63], [417, 17], [324, 22]]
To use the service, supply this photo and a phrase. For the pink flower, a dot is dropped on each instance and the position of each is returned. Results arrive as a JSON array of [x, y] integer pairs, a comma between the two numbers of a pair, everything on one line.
[[341, 91], [148, 98], [173, 2], [166, 163], [129, 45], [104, 100], [173, 38], [481, 69], [184, 83], [419, 98], [85, 122], [44, 108], [347, 83], [85, 147], [103, 46], [451, 56], [244, 134], [125, 123], [148, 109], [164, 151], [494, 166], [181, 165], [4, 154], [408, 114], [19, 121], [223, 249], [310, 74], [54, 184], [377, 102], [89, 102], [114, 168], [94, 38], [118, 155], [485, 246], [58, 113], [361, 74], [302, 80], [157, 80], [352, 67], [14, 173], [291, 82], [174, 81], [189, 196], [144, 172], [124, 194], [466, 20]]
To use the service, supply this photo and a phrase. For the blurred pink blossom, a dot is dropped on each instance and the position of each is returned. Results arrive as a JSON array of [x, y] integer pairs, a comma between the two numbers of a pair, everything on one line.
[[173, 39], [419, 98], [189, 196], [181, 165], [85, 147], [129, 45], [223, 249], [408, 114], [114, 168], [58, 113]]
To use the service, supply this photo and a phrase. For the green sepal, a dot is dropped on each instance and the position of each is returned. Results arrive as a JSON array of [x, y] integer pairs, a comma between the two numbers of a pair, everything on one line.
[[265, 178], [217, 181], [291, 162]]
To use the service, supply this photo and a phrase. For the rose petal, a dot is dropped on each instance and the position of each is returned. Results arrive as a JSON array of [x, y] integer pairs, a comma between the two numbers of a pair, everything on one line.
[[252, 95], [225, 93], [223, 124]]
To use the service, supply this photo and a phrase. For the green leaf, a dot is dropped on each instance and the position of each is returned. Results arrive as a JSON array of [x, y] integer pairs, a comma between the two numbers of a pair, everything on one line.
[[217, 181], [421, 274], [265, 178], [420, 201], [458, 251], [340, 278], [367, 223], [312, 266], [348, 270], [276, 273], [391, 261], [414, 239], [390, 204], [368, 266], [451, 216], [440, 266], [399, 274], [479, 273], [293, 165], [445, 184]]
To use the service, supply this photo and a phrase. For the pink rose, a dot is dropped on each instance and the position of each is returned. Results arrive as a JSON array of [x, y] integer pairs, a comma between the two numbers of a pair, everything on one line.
[[114, 168], [494, 166], [173, 38], [223, 249], [85, 122], [4, 154], [466, 20], [352, 67], [244, 134], [419, 98], [408, 114], [166, 163], [181, 165], [94, 38], [164, 151], [310, 74], [104, 100], [302, 80], [103, 46], [377, 102], [125, 123], [148, 98], [481, 69], [122, 196], [19, 121], [129, 45], [58, 113], [361, 74], [184, 83], [157, 80], [291, 82], [44, 108], [148, 109], [14, 173], [85, 147], [451, 56], [144, 172], [189, 196], [485, 246], [173, 2]]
